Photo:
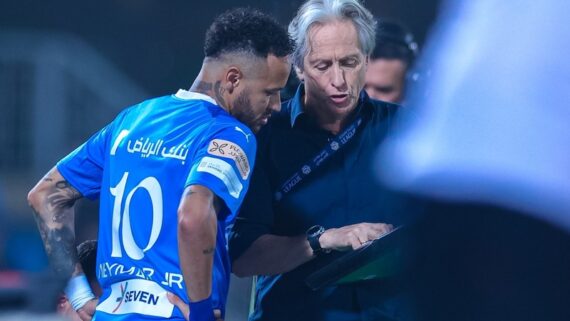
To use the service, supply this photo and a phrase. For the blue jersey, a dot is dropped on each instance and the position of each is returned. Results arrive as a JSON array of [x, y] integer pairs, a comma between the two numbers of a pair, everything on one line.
[[138, 166]]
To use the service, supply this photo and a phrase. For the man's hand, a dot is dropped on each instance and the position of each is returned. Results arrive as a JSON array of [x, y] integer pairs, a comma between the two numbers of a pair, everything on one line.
[[86, 312], [177, 301], [352, 236]]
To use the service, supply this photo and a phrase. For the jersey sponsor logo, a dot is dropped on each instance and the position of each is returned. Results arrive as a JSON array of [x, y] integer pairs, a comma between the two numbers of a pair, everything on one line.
[[137, 296], [227, 149], [224, 171], [147, 148], [244, 133], [123, 287]]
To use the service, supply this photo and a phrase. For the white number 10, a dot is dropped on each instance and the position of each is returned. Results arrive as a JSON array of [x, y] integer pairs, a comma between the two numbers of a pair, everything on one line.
[[152, 186]]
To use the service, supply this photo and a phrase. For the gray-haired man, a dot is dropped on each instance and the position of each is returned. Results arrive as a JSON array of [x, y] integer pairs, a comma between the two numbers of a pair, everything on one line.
[[312, 191]]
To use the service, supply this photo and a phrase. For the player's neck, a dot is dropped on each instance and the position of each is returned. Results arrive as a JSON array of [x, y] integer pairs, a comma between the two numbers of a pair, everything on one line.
[[206, 84]]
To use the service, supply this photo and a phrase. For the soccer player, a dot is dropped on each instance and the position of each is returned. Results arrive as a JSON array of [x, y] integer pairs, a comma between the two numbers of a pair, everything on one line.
[[170, 170]]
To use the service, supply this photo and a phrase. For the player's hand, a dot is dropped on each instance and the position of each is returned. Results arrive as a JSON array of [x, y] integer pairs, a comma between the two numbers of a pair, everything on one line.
[[177, 301], [352, 236], [86, 312]]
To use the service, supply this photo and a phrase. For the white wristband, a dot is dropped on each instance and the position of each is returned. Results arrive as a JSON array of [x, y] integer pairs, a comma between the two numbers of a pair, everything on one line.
[[78, 291]]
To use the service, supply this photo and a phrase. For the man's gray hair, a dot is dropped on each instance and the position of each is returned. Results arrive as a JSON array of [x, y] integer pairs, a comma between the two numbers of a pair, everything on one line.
[[322, 11]]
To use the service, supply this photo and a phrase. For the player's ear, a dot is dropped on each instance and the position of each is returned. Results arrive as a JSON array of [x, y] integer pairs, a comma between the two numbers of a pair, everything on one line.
[[233, 78]]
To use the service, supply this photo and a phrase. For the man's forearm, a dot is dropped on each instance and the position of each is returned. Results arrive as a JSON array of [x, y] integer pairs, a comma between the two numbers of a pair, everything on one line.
[[197, 226], [272, 254], [52, 200]]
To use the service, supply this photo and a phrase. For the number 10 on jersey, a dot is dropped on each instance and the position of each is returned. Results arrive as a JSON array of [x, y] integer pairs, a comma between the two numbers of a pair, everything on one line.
[[122, 220]]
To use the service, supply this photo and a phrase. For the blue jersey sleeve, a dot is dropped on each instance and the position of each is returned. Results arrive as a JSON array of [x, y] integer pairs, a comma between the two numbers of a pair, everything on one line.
[[224, 164], [83, 168]]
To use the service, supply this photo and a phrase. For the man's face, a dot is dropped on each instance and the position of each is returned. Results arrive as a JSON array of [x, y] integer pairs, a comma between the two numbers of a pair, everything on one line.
[[385, 79], [259, 95], [334, 69]]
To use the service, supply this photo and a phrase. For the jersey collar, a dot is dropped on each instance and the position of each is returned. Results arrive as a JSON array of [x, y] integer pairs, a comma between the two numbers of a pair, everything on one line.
[[188, 95]]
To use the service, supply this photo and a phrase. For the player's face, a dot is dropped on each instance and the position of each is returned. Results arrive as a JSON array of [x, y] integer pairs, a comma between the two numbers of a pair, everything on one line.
[[385, 79], [260, 94], [334, 69]]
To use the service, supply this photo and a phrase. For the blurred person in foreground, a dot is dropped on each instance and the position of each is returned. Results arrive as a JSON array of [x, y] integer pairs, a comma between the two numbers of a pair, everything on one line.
[[390, 62], [170, 170], [489, 153], [311, 191]]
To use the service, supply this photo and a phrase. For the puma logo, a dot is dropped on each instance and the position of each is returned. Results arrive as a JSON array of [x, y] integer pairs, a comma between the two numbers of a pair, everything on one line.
[[120, 137], [241, 131]]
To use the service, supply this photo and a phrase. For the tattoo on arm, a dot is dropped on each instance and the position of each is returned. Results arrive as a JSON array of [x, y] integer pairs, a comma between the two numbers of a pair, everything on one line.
[[54, 216], [218, 205], [188, 192], [209, 251], [204, 193], [60, 248], [61, 198]]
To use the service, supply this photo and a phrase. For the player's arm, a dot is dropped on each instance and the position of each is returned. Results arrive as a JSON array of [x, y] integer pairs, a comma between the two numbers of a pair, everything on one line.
[[53, 202], [197, 226]]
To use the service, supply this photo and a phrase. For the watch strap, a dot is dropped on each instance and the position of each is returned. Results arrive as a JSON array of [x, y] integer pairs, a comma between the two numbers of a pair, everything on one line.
[[313, 235]]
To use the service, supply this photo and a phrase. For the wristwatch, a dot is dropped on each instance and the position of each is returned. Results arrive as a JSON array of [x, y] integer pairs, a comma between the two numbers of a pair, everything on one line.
[[313, 235]]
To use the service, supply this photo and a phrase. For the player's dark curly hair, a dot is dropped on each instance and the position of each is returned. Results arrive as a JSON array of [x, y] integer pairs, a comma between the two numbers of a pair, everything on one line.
[[246, 30], [87, 255]]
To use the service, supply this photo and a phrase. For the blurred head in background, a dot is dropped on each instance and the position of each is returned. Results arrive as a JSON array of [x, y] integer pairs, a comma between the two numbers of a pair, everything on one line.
[[486, 152], [390, 62]]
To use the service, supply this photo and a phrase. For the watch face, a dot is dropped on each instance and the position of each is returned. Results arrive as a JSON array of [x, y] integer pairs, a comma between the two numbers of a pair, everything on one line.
[[315, 230]]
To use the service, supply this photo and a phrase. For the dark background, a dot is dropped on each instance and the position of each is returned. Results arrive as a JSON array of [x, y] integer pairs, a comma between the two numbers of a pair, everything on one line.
[[159, 43]]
